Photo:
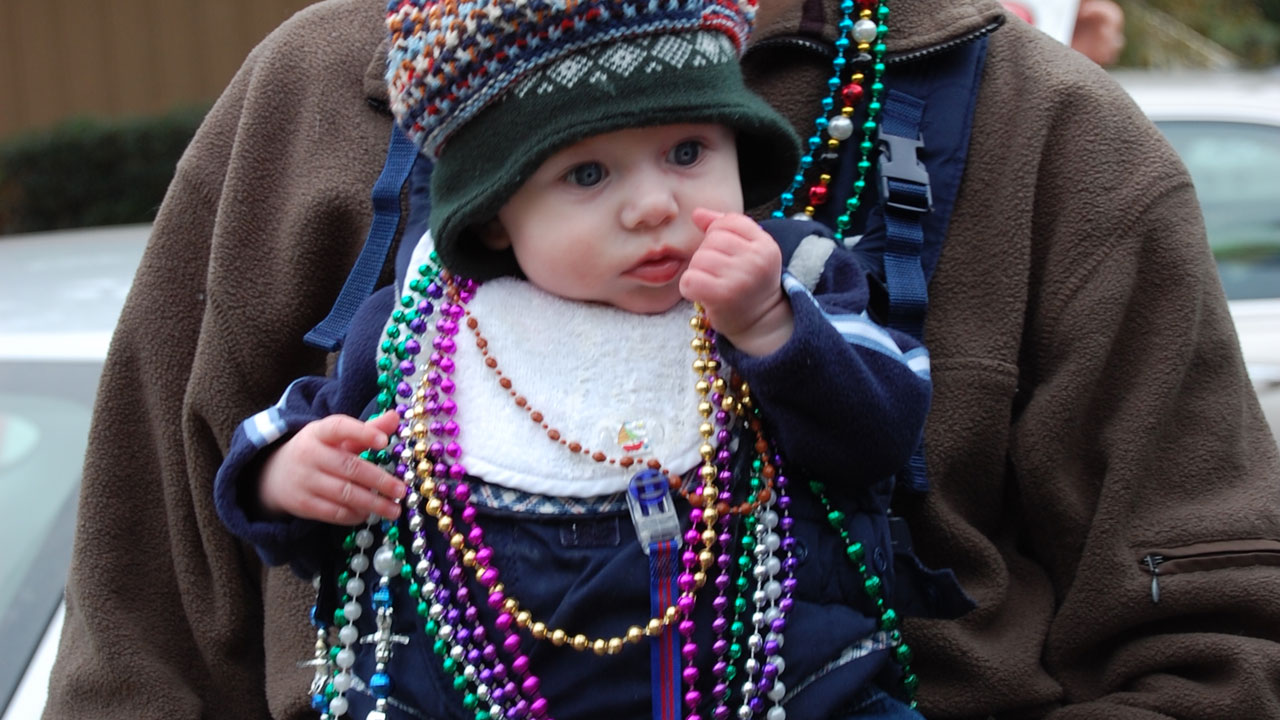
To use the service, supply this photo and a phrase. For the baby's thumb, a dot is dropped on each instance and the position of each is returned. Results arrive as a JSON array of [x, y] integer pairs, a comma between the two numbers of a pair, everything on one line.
[[702, 218]]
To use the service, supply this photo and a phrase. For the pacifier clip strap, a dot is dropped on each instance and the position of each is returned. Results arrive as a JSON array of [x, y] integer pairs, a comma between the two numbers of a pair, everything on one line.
[[653, 512], [664, 563]]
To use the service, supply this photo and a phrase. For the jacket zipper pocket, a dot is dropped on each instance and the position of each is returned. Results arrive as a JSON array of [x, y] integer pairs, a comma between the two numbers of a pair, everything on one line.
[[1202, 557]]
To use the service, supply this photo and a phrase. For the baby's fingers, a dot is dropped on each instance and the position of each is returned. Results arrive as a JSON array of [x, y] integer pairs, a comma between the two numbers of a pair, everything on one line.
[[325, 510], [358, 484], [386, 423], [344, 431], [383, 426], [696, 285], [702, 218]]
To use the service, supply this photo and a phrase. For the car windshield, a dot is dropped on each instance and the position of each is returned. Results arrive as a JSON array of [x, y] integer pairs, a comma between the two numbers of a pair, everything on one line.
[[44, 425], [60, 295], [1233, 166]]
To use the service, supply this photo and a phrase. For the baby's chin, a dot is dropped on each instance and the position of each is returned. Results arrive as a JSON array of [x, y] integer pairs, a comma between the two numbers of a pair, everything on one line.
[[641, 301], [655, 304]]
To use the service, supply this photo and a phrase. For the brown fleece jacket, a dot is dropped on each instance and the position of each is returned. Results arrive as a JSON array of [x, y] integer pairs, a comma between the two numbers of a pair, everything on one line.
[[1091, 406]]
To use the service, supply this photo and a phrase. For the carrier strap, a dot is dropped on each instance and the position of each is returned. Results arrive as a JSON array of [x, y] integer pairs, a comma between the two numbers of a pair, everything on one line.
[[906, 198], [401, 153]]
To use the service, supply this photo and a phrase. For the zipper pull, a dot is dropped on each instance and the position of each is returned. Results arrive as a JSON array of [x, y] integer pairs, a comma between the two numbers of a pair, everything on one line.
[[1153, 566]]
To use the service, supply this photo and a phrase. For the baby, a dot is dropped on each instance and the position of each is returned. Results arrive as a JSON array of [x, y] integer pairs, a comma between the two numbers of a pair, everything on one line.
[[539, 382]]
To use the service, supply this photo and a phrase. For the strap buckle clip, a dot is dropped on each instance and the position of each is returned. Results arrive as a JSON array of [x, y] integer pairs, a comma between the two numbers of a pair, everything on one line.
[[904, 181]]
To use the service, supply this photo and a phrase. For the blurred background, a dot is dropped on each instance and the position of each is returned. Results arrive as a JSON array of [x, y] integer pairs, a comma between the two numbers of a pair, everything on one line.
[[99, 99]]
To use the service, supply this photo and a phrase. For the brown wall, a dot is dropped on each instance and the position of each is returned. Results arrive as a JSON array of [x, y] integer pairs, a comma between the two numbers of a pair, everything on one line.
[[122, 57]]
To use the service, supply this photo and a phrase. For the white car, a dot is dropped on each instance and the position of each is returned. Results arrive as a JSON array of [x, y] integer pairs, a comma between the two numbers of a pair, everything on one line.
[[60, 296], [1226, 128]]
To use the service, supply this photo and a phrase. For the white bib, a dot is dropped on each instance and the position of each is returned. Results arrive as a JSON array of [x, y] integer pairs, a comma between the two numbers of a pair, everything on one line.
[[603, 377]]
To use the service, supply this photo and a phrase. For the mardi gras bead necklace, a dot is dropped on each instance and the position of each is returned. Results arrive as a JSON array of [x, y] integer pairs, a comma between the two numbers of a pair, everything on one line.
[[466, 652], [860, 51], [494, 678], [696, 563], [750, 605]]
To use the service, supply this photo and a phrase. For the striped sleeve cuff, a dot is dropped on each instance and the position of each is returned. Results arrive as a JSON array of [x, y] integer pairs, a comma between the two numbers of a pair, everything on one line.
[[269, 425], [858, 329]]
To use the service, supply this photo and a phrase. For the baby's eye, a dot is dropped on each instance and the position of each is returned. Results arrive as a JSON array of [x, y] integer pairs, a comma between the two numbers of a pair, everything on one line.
[[587, 174], [686, 153]]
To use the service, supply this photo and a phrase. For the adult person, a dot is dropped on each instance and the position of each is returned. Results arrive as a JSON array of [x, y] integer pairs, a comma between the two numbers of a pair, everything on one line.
[[1099, 31], [1091, 413]]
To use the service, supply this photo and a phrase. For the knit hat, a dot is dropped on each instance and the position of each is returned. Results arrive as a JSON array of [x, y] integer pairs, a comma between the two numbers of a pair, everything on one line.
[[489, 89]]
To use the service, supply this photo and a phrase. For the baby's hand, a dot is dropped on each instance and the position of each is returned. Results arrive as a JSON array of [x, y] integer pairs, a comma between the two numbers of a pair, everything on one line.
[[318, 474], [736, 276]]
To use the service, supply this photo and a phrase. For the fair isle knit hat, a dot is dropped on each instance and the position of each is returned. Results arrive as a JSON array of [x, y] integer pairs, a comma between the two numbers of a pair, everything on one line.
[[488, 89]]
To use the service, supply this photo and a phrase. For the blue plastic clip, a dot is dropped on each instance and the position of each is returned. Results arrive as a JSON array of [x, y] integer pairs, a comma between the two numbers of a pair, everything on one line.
[[652, 510]]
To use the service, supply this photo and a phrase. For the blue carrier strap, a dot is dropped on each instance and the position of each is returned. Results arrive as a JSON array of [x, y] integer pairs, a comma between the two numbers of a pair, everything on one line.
[[401, 154], [906, 198], [918, 186]]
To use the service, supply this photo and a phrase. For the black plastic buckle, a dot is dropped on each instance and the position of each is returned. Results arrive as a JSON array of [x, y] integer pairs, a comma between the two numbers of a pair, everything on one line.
[[899, 162]]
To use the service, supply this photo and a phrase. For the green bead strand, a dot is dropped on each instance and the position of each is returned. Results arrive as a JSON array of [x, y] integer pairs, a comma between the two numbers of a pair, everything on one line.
[[873, 587]]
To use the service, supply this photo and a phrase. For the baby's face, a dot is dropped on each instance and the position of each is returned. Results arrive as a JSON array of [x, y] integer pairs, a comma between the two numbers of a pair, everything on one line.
[[608, 218]]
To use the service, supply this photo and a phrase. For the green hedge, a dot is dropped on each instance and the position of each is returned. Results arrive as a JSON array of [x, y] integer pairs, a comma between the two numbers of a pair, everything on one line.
[[1247, 29], [88, 171]]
